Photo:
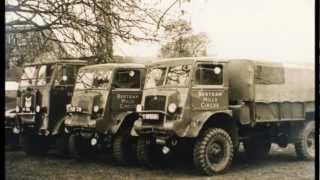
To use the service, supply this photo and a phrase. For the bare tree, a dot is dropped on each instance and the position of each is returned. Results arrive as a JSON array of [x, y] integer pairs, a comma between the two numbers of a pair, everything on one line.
[[90, 27], [182, 42]]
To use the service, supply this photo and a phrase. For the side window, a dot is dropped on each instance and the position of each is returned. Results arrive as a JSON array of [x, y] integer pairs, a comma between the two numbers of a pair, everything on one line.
[[66, 75], [209, 74], [127, 79]]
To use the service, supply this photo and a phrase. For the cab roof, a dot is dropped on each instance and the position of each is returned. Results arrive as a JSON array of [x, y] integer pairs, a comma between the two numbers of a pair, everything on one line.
[[191, 60], [186, 60], [115, 65], [76, 61]]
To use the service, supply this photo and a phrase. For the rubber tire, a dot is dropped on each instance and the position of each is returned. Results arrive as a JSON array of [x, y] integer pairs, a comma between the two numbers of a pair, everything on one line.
[[144, 151], [200, 161], [77, 146], [124, 148], [35, 145], [62, 145], [12, 141], [301, 145], [257, 148]]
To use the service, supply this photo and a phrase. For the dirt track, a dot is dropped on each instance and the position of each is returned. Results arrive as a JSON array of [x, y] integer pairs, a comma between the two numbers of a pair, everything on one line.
[[280, 165]]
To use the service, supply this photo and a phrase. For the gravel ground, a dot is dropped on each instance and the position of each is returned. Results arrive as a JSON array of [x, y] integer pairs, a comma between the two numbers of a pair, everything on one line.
[[281, 164]]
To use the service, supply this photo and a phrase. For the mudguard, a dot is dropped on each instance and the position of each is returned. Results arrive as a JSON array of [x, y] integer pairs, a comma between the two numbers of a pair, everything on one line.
[[58, 126], [120, 119], [199, 119]]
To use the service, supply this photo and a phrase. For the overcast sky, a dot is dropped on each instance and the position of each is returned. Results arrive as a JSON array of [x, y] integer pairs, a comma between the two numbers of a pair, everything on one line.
[[276, 30]]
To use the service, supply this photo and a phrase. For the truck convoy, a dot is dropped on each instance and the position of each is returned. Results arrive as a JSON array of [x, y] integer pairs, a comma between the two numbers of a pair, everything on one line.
[[216, 104], [44, 90], [206, 105], [102, 110]]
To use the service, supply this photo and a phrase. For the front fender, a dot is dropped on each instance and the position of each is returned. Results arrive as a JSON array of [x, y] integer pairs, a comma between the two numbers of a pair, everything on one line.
[[120, 119], [199, 119], [59, 125]]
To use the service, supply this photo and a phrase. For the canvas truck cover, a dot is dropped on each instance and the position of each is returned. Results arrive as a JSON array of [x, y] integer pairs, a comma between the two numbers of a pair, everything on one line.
[[268, 82]]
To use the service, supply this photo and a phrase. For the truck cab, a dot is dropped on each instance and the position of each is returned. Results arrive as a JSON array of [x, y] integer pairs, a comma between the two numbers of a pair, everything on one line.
[[102, 109], [179, 90], [208, 106], [45, 88]]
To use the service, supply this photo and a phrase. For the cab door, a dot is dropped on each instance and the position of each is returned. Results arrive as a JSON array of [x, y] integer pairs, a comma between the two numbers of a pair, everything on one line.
[[209, 87]]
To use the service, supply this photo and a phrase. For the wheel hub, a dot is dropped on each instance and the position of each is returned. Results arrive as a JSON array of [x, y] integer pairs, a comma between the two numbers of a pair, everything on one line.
[[215, 152]]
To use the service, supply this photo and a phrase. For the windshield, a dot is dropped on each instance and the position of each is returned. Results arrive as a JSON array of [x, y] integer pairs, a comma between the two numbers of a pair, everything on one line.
[[93, 79], [176, 76], [66, 75], [155, 77], [209, 74], [28, 77], [126, 78]]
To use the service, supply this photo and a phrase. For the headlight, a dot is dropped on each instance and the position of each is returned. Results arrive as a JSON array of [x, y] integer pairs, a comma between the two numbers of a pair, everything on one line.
[[17, 109], [138, 108], [68, 107], [172, 107], [72, 109], [96, 108], [38, 108], [78, 109]]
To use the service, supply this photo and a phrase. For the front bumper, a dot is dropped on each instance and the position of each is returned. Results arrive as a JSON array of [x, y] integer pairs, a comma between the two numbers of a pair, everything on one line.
[[158, 128], [27, 118], [80, 124]]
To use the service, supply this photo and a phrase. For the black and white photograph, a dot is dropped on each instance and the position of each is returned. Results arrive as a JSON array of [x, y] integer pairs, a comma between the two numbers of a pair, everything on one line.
[[160, 89]]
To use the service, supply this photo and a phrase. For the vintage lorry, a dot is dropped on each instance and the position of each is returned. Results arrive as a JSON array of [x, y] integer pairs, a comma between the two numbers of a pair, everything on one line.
[[45, 88], [102, 110], [212, 105]]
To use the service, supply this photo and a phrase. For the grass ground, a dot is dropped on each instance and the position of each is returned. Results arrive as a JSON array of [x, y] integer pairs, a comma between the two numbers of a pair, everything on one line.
[[281, 164]]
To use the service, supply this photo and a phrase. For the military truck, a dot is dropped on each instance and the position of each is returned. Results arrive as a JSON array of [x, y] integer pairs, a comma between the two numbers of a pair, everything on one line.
[[102, 110], [215, 104], [45, 89]]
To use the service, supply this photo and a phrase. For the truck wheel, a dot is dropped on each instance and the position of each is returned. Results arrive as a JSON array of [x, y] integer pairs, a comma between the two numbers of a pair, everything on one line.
[[305, 147], [35, 145], [144, 151], [62, 145], [257, 148], [124, 148], [78, 146], [213, 151], [12, 141]]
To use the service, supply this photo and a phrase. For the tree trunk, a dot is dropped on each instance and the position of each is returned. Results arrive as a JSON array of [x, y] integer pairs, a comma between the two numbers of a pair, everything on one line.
[[104, 50]]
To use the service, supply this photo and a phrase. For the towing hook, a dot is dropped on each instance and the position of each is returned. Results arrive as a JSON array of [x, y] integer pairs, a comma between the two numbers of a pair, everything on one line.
[[174, 142]]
